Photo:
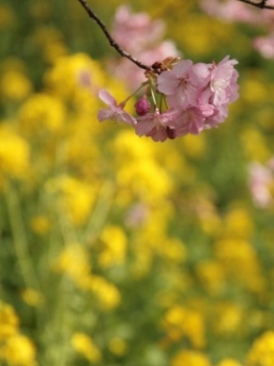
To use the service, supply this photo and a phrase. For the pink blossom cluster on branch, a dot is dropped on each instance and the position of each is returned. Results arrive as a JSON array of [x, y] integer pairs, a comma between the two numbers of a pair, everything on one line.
[[234, 11], [184, 98]]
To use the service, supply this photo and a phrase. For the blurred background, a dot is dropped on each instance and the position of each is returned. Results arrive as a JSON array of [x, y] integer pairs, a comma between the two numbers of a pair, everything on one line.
[[114, 249]]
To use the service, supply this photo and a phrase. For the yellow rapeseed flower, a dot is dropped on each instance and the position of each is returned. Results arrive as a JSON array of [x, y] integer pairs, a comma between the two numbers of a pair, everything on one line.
[[228, 319], [75, 198], [74, 262], [9, 321], [108, 294], [240, 262], [181, 322], [19, 350], [229, 362], [40, 224], [32, 297], [113, 246], [14, 85], [70, 75], [211, 275], [42, 113], [238, 223], [85, 345], [14, 154], [262, 351], [190, 358]]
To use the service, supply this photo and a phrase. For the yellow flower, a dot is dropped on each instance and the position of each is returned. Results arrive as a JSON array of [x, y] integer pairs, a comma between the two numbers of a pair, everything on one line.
[[74, 262], [229, 362], [41, 113], [240, 262], [228, 319], [238, 223], [67, 74], [14, 154], [211, 274], [262, 351], [19, 351], [14, 85], [40, 224], [9, 321], [173, 250], [75, 198], [108, 295], [190, 358], [181, 322], [114, 246], [83, 344], [32, 297], [139, 174]]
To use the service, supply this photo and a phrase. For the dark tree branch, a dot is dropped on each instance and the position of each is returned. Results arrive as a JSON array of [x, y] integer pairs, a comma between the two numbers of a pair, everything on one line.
[[262, 4], [112, 42]]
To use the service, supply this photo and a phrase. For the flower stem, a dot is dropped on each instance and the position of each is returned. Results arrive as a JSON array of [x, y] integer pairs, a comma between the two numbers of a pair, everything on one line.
[[20, 240], [262, 4], [112, 42]]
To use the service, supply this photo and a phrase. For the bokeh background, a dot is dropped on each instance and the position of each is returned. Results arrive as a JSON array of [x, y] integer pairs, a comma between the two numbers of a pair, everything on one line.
[[114, 249]]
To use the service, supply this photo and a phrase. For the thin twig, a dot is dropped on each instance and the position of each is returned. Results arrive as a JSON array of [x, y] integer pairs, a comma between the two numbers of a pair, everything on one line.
[[261, 4], [112, 42]]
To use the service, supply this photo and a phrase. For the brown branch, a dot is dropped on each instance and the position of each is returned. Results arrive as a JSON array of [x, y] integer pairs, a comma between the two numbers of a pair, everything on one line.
[[262, 4], [112, 42]]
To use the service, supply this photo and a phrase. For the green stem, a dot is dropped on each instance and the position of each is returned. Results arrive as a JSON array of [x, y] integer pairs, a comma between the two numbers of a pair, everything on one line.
[[20, 239]]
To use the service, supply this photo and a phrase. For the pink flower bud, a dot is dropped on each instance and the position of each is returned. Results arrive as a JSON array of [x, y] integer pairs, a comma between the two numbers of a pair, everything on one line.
[[142, 106]]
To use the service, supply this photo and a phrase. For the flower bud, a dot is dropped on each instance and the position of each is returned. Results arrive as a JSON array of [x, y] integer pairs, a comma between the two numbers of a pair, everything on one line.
[[142, 106]]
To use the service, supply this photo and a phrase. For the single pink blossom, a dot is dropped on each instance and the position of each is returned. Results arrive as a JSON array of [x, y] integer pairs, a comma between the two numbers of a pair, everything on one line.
[[136, 31], [183, 83], [265, 45], [115, 112], [223, 82], [218, 116], [159, 126], [231, 10], [191, 119], [260, 179]]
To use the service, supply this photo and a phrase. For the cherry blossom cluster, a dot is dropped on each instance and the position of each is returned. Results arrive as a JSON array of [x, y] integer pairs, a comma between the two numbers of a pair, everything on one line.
[[234, 11], [182, 98], [261, 183]]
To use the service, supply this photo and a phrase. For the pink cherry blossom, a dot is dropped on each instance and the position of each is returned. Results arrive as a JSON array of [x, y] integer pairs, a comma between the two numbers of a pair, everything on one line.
[[115, 112], [231, 10], [159, 126], [265, 45], [136, 31], [192, 119], [223, 82], [260, 179], [183, 83]]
